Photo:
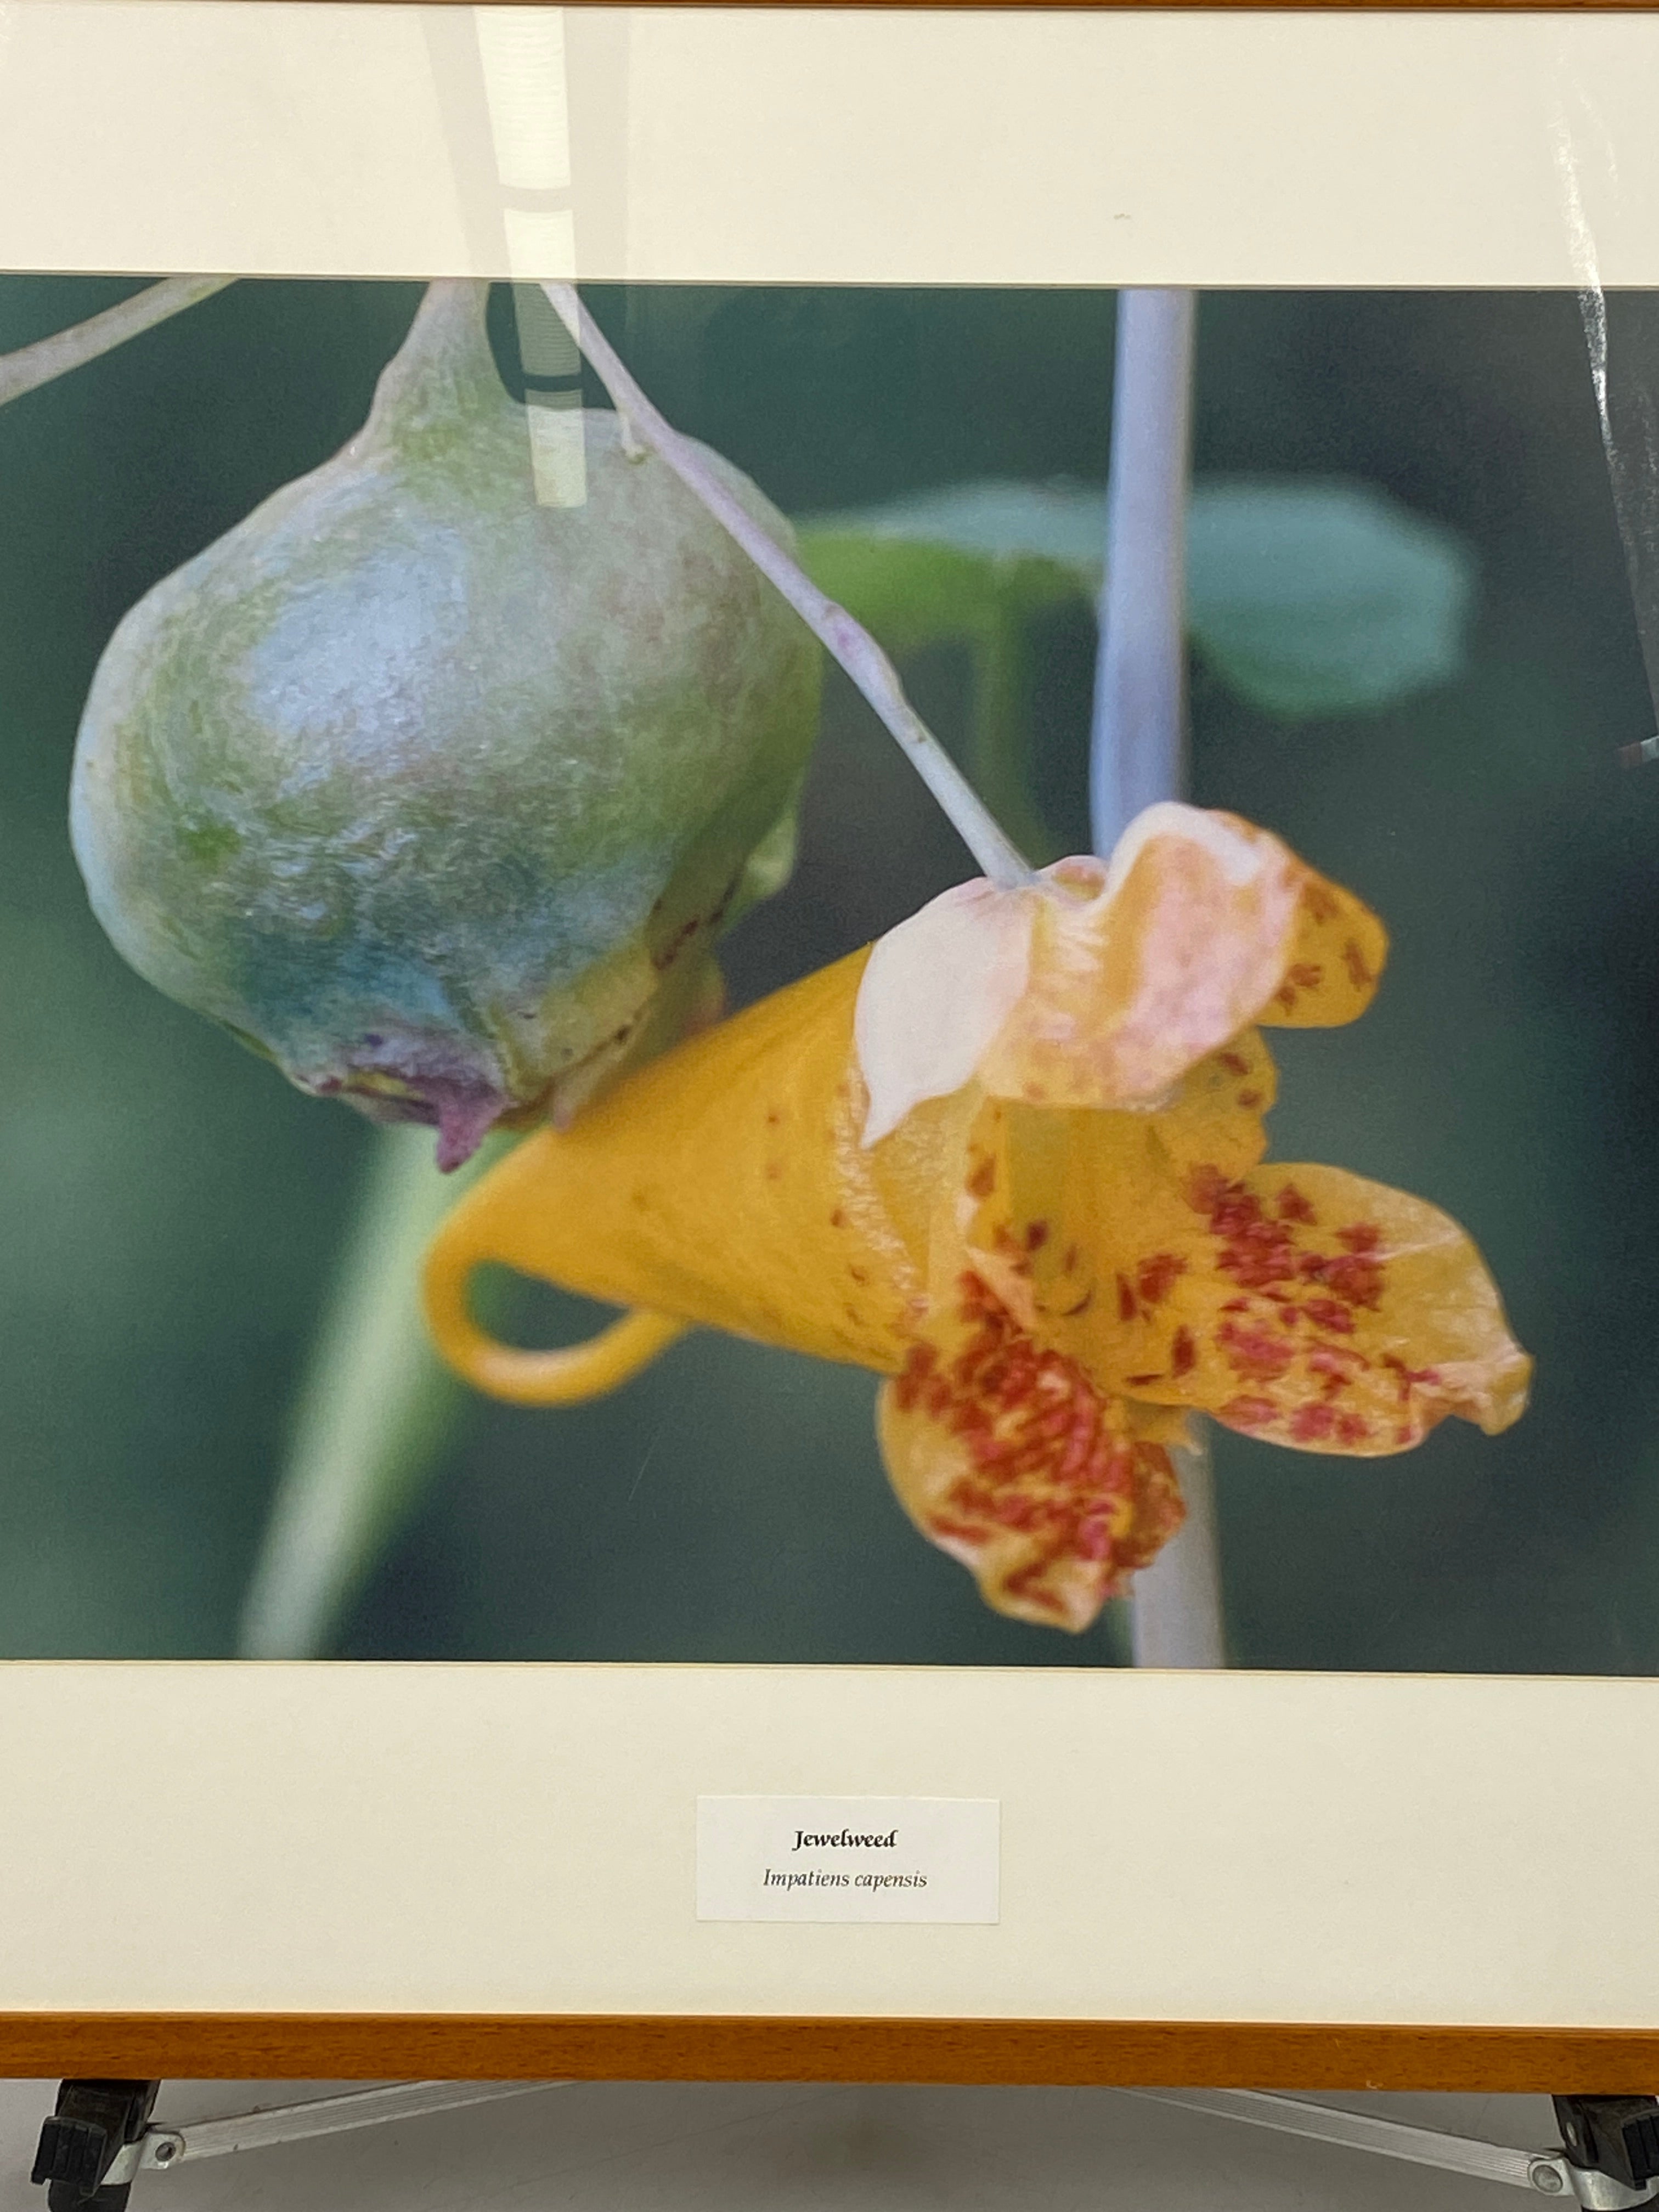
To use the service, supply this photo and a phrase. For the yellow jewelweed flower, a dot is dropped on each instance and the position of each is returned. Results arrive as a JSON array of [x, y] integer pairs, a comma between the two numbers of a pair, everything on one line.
[[1010, 1157]]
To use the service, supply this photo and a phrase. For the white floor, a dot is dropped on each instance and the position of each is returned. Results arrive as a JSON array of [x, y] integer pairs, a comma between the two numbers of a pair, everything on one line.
[[669, 2147]]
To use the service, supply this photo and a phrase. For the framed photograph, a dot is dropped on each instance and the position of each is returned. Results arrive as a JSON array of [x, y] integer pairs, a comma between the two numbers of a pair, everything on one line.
[[828, 867]]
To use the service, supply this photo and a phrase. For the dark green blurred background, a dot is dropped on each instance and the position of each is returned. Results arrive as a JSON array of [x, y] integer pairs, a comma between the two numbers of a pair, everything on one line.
[[171, 1209]]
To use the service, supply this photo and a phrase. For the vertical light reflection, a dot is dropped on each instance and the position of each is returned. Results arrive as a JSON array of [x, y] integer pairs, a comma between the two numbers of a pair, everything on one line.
[[522, 51]]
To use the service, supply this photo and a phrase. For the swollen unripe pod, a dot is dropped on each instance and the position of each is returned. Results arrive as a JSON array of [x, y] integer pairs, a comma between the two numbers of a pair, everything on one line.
[[438, 795]]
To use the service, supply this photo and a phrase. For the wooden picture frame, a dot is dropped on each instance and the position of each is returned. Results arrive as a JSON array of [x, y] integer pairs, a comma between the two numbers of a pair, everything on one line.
[[170, 1832]]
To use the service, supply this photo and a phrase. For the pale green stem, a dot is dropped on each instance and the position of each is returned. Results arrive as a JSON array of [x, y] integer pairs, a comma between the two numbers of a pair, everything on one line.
[[374, 1411], [32, 365], [847, 641]]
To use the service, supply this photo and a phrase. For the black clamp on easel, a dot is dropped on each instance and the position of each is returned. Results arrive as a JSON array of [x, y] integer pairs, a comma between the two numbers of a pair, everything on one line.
[[89, 2148], [1612, 2148]]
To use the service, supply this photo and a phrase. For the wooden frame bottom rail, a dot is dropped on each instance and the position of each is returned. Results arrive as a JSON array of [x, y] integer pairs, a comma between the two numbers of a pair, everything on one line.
[[1145, 2054]]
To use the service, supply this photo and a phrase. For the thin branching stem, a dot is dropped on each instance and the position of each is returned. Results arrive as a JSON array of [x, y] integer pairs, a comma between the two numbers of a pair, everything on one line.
[[847, 641], [32, 365]]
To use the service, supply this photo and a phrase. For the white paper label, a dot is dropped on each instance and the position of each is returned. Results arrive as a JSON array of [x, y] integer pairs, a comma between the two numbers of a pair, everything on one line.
[[849, 1858]]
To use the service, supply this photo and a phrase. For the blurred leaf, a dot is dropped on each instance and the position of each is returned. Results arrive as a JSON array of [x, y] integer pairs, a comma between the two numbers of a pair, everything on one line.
[[374, 1412], [1001, 734], [915, 592], [1309, 597], [1060, 525], [1313, 598], [913, 589]]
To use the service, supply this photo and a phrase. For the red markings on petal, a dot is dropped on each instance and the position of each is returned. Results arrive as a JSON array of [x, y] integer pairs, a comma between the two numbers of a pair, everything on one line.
[[1157, 1276], [1358, 1279], [1356, 1337], [1311, 1424], [1007, 1456], [1247, 1413], [1254, 1352]]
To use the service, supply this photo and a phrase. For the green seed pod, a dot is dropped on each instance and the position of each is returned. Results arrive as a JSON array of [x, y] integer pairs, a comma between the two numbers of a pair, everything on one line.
[[435, 794]]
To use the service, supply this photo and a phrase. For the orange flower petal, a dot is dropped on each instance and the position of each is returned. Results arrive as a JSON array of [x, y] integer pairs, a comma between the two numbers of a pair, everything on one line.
[[1050, 1201], [1298, 1304], [1006, 1456], [1336, 959], [723, 1184], [1392, 1321], [1200, 925], [1214, 1114]]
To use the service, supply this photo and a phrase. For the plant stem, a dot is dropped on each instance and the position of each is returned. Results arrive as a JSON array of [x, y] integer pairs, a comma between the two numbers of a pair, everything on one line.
[[847, 641], [1175, 1615], [32, 365], [1137, 756], [374, 1409], [1139, 752]]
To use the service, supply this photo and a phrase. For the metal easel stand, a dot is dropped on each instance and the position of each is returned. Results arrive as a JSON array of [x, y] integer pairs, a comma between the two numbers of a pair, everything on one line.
[[1610, 2160], [101, 2137]]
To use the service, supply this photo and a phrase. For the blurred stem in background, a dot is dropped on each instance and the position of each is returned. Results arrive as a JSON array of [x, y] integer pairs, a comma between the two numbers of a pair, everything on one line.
[[374, 1411], [1137, 756], [32, 365]]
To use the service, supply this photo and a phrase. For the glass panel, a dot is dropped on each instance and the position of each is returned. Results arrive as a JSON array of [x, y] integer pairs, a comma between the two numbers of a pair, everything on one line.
[[1412, 657]]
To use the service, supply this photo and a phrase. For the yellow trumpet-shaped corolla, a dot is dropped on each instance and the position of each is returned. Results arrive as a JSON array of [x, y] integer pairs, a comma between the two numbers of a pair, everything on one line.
[[1010, 1157]]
